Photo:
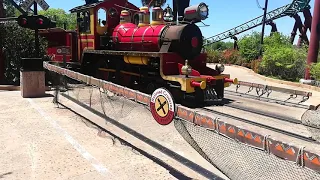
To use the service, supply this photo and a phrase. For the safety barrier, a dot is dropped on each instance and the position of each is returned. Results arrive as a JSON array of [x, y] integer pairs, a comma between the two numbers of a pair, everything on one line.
[[238, 152]]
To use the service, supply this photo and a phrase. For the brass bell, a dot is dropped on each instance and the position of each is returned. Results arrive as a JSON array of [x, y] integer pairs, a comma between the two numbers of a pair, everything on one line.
[[186, 69], [168, 15]]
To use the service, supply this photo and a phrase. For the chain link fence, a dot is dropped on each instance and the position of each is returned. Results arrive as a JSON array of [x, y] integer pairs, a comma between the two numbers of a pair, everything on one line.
[[236, 160]]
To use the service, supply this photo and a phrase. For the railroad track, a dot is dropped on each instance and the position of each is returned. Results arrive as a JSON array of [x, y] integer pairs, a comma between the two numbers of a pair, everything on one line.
[[284, 119], [265, 99], [263, 113]]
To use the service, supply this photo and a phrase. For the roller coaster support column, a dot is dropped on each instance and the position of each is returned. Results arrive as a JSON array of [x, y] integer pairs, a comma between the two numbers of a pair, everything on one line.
[[263, 24], [297, 24], [307, 25], [314, 38], [235, 43], [2, 64], [273, 27]]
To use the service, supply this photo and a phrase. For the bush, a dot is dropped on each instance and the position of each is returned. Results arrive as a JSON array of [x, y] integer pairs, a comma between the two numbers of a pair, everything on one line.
[[232, 57], [17, 43], [315, 71], [255, 64], [284, 62], [214, 56]]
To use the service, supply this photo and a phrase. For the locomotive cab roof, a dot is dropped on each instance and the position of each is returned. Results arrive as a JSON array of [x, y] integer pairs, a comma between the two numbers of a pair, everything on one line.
[[85, 7]]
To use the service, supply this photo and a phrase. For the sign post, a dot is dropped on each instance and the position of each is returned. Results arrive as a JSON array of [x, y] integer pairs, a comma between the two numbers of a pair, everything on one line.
[[32, 75], [64, 51], [26, 5]]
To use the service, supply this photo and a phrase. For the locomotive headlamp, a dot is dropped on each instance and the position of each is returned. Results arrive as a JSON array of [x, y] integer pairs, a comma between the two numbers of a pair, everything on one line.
[[196, 13], [220, 67], [204, 11]]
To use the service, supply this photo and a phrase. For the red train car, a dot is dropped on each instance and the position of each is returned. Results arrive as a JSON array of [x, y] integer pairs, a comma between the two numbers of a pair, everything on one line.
[[59, 38]]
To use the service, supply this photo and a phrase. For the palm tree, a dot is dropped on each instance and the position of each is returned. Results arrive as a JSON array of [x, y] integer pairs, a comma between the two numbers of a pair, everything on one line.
[[158, 3]]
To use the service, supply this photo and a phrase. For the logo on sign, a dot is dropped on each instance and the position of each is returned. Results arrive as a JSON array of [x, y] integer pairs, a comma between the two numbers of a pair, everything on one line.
[[162, 106]]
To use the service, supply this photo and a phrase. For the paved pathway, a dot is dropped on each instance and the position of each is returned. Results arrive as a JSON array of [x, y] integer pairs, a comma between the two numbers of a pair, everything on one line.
[[40, 141]]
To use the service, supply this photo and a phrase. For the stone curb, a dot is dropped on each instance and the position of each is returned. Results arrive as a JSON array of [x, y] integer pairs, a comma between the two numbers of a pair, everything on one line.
[[314, 88], [9, 88], [283, 150], [16, 88]]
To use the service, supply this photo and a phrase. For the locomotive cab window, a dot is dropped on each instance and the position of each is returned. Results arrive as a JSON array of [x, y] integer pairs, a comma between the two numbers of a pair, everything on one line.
[[136, 19], [102, 17], [84, 21]]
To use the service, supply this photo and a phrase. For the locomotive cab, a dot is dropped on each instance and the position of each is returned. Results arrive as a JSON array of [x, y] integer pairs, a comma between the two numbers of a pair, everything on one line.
[[96, 21]]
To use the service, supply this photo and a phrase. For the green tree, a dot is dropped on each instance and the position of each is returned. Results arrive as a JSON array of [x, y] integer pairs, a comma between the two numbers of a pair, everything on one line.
[[10, 10], [17, 43], [315, 70], [61, 17], [250, 46], [277, 40], [221, 46]]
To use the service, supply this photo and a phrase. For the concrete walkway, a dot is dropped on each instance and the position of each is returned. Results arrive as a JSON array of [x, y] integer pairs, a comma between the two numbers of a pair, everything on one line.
[[38, 140]]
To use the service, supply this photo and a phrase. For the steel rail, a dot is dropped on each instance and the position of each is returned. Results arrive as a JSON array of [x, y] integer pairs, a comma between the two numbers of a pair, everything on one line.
[[309, 139], [266, 114], [264, 99]]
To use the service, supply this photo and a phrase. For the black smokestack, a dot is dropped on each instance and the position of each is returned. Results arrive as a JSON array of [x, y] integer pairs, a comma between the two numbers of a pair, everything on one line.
[[179, 6]]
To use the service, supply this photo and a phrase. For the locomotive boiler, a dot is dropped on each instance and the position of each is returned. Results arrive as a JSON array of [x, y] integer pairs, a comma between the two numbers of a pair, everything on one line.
[[185, 39], [125, 47]]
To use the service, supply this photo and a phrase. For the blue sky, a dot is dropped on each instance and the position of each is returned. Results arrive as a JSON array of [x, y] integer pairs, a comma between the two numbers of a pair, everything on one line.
[[223, 14]]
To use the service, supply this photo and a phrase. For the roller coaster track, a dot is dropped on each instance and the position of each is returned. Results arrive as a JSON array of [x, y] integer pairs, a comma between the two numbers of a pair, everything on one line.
[[288, 10]]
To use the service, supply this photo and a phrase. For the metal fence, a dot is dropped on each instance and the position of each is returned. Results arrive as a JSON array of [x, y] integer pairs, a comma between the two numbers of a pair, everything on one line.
[[235, 159]]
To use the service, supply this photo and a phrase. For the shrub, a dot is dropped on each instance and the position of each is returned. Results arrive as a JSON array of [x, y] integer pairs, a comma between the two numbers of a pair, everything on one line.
[[214, 56], [17, 43], [315, 70], [255, 64], [283, 62]]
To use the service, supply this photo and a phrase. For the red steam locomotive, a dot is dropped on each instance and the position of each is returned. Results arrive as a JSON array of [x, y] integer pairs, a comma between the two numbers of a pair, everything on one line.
[[117, 42]]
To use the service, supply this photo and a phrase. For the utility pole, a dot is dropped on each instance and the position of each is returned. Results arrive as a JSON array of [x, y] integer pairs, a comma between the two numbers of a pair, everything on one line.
[[263, 25]]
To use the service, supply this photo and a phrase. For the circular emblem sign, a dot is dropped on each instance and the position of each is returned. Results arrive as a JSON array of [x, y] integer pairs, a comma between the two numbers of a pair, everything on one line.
[[162, 106]]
